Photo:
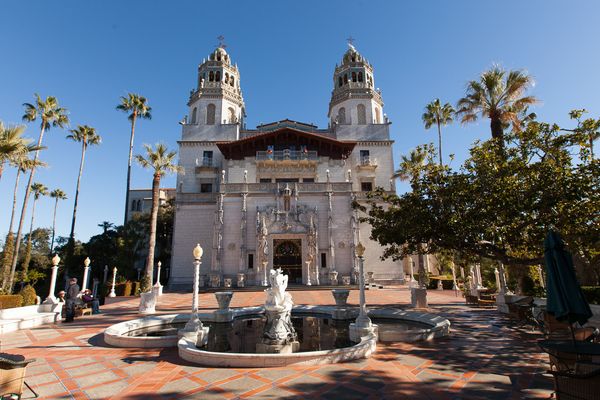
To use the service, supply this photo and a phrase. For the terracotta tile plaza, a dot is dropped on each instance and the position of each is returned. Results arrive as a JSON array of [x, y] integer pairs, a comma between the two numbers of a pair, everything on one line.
[[484, 357]]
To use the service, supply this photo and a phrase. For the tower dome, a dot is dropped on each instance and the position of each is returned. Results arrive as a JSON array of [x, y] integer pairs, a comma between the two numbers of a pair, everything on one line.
[[354, 101], [218, 99]]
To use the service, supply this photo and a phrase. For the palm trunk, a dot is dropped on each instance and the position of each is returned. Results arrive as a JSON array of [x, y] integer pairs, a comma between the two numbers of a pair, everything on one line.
[[24, 209], [129, 165], [1, 169], [439, 142], [153, 219], [9, 244], [53, 226], [73, 220], [497, 131], [27, 259]]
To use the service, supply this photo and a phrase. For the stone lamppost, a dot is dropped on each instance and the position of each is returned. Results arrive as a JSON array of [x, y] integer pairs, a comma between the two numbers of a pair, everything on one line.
[[363, 325], [86, 270], [194, 330], [265, 281], [114, 282], [51, 299], [158, 288]]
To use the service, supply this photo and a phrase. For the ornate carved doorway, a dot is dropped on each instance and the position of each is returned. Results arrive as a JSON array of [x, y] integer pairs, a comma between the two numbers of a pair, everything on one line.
[[287, 255]]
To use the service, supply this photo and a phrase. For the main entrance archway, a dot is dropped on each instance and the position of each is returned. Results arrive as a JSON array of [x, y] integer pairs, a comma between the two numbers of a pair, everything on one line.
[[288, 257]]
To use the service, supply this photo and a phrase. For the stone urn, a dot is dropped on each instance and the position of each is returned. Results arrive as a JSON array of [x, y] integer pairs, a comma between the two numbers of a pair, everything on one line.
[[227, 282], [333, 277], [346, 280], [215, 280], [224, 299], [341, 297], [148, 302], [241, 280], [223, 314], [370, 276]]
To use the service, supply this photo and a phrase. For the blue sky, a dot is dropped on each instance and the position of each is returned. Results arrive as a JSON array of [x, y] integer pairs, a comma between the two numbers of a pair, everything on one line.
[[89, 53]]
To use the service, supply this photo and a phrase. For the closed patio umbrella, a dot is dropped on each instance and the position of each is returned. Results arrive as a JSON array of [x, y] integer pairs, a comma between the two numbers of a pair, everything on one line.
[[565, 299]]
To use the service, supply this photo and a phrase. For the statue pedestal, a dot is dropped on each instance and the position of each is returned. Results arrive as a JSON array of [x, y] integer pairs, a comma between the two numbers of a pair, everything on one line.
[[147, 303], [198, 335], [418, 298], [279, 335], [223, 314]]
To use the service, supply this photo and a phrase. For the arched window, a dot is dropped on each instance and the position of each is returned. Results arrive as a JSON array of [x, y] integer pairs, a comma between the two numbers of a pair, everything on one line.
[[194, 115], [232, 80], [210, 114], [232, 117], [377, 115], [360, 77], [353, 76], [362, 114], [219, 56], [211, 76], [226, 77], [342, 116], [218, 76], [340, 82]]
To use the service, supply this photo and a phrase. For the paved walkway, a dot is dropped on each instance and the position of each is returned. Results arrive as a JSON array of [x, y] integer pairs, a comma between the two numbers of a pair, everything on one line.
[[482, 359]]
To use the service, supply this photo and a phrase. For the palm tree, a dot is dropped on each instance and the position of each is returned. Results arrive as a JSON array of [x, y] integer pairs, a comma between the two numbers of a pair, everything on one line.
[[137, 107], [161, 161], [105, 225], [13, 144], [50, 114], [438, 114], [23, 164], [87, 136], [57, 195], [499, 96], [410, 166], [38, 190]]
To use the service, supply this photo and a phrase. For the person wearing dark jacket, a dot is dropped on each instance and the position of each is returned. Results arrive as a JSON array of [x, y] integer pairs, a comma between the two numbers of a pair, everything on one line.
[[72, 293], [91, 301]]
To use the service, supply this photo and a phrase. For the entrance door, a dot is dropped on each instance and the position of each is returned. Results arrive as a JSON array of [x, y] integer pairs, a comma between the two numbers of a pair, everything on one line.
[[288, 257]]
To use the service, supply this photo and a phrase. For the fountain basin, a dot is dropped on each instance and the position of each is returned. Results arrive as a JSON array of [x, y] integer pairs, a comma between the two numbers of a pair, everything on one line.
[[189, 352], [160, 330]]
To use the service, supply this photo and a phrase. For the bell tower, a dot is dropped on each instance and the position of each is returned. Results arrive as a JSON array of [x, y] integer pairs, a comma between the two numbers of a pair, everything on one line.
[[217, 99], [354, 101]]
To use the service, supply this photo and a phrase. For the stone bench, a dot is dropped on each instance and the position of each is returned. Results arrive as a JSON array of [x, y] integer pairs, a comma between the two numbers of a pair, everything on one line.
[[13, 319]]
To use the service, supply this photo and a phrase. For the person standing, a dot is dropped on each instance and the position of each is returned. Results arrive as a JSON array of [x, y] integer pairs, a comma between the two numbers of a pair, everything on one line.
[[72, 293]]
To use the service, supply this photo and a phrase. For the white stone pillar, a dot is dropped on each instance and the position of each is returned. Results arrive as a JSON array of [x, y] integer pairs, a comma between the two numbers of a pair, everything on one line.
[[454, 285], [105, 275], [478, 276], [497, 275], [114, 282], [158, 288], [308, 283], [411, 281], [541, 274], [51, 299], [194, 323], [502, 276], [86, 270], [363, 325], [265, 281]]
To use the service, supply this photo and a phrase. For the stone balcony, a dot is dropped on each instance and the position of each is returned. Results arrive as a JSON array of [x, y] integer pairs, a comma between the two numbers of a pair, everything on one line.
[[367, 163]]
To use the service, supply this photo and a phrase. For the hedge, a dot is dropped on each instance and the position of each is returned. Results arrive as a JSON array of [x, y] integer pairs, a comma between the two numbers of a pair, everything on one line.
[[447, 284], [29, 295], [10, 301], [124, 289], [591, 294]]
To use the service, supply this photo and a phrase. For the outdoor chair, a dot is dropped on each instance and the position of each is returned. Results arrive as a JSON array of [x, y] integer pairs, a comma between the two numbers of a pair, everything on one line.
[[557, 330], [583, 383], [12, 374]]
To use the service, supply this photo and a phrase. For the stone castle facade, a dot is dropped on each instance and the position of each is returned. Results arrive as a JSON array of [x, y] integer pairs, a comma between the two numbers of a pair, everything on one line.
[[280, 195]]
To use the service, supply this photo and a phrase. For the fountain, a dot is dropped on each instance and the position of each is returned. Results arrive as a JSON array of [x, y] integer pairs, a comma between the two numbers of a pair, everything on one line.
[[279, 335]]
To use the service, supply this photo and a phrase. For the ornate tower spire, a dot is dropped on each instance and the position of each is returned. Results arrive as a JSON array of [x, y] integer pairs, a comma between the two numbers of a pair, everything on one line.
[[218, 99], [354, 101]]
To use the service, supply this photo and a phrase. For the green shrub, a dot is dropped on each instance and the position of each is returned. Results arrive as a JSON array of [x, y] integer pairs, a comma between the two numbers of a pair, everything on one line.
[[591, 294], [10, 301], [29, 295]]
